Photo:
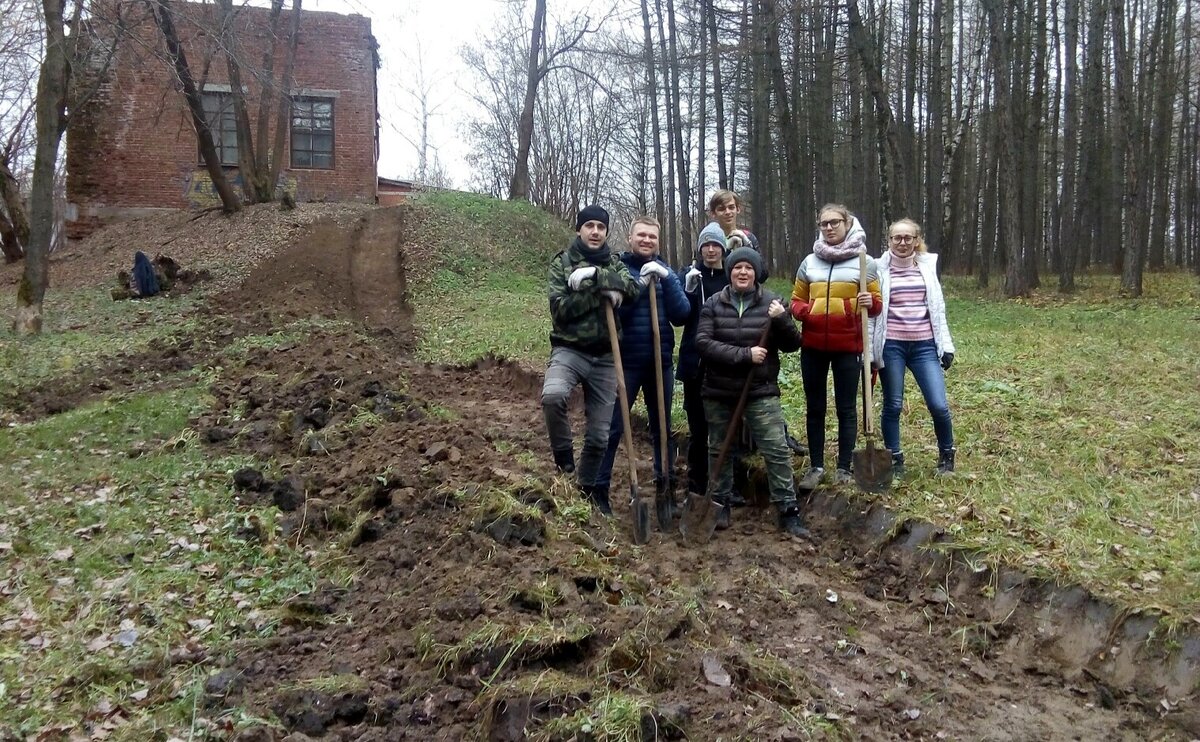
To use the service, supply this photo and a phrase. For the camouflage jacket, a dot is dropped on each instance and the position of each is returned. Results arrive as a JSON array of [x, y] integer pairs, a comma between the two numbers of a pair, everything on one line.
[[578, 316]]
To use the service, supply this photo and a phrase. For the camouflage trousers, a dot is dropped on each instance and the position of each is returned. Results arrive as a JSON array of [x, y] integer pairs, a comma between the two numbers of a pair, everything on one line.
[[764, 419]]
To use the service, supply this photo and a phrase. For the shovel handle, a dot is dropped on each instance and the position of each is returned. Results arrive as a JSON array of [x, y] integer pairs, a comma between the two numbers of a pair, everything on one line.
[[658, 379], [738, 411], [622, 394], [868, 407]]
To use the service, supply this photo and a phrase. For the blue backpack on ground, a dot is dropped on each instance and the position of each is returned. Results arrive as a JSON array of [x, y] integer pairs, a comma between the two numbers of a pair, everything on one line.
[[143, 275]]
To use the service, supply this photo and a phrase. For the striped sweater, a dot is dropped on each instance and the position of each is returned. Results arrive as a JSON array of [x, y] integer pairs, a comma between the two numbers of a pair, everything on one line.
[[934, 302]]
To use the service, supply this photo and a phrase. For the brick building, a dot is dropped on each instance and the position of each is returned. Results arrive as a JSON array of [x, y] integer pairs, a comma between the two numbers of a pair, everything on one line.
[[132, 150]]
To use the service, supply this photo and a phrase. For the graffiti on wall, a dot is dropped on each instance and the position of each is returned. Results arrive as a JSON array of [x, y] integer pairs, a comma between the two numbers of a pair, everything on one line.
[[202, 194]]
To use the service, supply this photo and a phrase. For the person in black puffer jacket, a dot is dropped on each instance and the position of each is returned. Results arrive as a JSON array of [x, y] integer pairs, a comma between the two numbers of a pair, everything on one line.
[[730, 329], [702, 279], [637, 352]]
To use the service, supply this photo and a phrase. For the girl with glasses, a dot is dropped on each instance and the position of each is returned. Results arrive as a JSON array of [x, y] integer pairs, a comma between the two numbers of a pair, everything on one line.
[[826, 299], [911, 332]]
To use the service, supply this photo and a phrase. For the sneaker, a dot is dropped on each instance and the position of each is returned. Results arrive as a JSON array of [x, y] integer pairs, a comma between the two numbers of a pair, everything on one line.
[[792, 524], [946, 460], [812, 478], [843, 476]]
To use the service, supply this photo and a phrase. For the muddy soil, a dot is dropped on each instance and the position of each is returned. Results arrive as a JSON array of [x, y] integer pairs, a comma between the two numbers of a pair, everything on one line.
[[488, 603]]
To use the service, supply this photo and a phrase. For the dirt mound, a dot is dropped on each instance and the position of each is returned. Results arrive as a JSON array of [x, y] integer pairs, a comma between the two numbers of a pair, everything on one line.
[[334, 270], [490, 602], [227, 245]]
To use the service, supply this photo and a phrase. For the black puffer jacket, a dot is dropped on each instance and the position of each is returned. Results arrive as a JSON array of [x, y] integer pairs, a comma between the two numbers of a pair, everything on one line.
[[731, 324]]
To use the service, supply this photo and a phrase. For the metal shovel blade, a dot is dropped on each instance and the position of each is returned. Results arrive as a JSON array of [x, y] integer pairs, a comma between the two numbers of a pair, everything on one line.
[[873, 467], [698, 522], [641, 518], [664, 509]]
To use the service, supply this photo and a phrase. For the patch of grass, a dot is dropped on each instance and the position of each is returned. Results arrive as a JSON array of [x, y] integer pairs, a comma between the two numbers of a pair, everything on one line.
[[84, 328], [114, 563], [612, 716], [329, 684]]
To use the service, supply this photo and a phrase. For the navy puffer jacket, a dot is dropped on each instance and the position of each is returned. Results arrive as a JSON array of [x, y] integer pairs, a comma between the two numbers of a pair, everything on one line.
[[712, 280], [637, 336], [730, 324]]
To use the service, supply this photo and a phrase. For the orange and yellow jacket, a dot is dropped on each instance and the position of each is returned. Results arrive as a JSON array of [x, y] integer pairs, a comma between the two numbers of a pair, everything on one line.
[[824, 299]]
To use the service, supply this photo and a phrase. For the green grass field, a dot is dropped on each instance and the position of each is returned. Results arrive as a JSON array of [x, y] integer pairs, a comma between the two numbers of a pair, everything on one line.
[[120, 542]]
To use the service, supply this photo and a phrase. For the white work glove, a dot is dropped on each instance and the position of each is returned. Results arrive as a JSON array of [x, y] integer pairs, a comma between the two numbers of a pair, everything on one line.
[[691, 281], [579, 275], [654, 268], [775, 309], [737, 238], [616, 297]]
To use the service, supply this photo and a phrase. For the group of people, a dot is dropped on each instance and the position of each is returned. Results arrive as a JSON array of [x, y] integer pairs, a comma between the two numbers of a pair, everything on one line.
[[734, 329]]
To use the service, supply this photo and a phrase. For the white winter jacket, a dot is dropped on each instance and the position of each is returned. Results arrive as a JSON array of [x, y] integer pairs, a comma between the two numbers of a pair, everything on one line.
[[934, 300]]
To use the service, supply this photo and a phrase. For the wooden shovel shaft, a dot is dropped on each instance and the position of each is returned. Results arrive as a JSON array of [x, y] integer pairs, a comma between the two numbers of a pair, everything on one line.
[[658, 378], [868, 407], [622, 396]]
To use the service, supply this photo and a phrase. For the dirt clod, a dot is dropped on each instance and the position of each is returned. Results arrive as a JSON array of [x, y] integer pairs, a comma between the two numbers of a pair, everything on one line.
[[248, 479]]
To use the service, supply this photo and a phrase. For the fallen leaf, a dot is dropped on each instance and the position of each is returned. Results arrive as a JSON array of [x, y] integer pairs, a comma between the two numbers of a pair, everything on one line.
[[200, 624], [127, 638], [831, 596], [63, 555], [140, 695], [724, 605], [714, 672], [99, 643], [913, 714]]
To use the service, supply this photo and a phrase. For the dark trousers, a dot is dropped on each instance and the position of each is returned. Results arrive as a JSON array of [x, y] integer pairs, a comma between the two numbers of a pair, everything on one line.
[[641, 378], [693, 406], [815, 366]]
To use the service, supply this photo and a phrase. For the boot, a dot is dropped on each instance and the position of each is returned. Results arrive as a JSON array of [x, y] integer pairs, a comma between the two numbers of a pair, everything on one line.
[[946, 460], [897, 465], [791, 523], [565, 460], [598, 496]]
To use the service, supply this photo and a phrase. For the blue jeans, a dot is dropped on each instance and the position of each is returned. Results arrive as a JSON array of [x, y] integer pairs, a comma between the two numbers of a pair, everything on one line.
[[920, 357], [641, 378]]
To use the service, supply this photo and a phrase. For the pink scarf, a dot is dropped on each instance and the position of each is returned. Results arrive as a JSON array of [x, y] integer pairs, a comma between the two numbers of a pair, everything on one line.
[[848, 248]]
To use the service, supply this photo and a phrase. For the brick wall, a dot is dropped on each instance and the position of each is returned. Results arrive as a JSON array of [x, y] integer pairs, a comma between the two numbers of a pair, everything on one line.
[[133, 149]]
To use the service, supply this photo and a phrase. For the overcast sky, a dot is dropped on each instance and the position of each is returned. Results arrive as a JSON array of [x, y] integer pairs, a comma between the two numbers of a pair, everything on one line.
[[439, 29]]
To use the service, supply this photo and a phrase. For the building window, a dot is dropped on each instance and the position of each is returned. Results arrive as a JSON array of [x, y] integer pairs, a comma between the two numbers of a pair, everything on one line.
[[218, 111], [312, 133]]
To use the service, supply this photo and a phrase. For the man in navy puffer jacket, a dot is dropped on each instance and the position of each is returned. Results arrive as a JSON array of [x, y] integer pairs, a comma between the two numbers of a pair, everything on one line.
[[637, 352]]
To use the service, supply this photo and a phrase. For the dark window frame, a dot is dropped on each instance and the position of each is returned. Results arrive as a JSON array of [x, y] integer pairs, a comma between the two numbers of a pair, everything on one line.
[[312, 121], [222, 125]]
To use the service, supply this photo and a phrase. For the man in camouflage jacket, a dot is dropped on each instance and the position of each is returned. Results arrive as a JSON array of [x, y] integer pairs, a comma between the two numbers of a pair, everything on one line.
[[583, 278]]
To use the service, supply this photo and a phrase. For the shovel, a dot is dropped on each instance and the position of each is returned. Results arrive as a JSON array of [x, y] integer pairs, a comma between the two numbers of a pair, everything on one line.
[[641, 508], [872, 465], [664, 502], [699, 520]]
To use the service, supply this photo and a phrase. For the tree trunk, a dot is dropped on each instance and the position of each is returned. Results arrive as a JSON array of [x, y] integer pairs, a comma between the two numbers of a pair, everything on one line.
[[267, 96], [1126, 132], [518, 189], [164, 18], [50, 116], [1066, 236], [655, 126], [786, 122], [15, 226], [718, 93], [889, 147], [1015, 280], [1165, 87], [283, 120], [251, 186], [681, 155]]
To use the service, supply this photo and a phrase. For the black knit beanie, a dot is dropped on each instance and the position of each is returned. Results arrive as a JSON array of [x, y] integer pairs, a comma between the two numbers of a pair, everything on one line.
[[745, 255], [591, 213]]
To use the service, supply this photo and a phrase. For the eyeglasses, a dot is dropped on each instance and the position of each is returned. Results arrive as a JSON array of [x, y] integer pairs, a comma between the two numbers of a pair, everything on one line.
[[830, 223], [903, 239]]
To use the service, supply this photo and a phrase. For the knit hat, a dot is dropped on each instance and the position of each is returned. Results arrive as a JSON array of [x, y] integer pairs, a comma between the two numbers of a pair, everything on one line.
[[745, 255], [591, 213], [712, 232]]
